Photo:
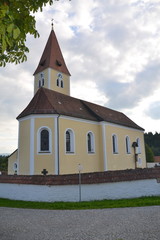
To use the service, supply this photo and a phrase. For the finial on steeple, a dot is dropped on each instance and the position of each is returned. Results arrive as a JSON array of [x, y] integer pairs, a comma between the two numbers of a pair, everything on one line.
[[52, 23]]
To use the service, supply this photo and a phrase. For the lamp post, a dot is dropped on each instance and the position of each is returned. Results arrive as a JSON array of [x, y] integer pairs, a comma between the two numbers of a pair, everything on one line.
[[80, 168]]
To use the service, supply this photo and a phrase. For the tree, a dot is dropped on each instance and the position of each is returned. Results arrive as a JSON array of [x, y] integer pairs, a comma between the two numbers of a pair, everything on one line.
[[16, 21], [153, 141], [149, 154], [3, 163]]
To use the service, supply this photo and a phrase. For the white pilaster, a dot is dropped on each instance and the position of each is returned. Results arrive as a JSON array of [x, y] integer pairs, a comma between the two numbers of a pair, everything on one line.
[[56, 147], [31, 146], [104, 145], [18, 162], [49, 78]]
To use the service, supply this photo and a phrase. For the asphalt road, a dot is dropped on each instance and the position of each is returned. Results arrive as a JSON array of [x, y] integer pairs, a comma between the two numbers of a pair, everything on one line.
[[107, 224]]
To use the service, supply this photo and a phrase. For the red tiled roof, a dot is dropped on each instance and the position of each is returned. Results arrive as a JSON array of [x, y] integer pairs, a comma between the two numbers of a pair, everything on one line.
[[156, 158], [47, 101], [52, 56]]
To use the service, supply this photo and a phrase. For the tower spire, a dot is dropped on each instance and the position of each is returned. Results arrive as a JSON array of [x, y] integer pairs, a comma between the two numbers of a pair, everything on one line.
[[52, 56]]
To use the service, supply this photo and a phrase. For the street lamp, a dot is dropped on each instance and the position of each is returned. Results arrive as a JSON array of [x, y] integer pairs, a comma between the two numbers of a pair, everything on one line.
[[80, 168]]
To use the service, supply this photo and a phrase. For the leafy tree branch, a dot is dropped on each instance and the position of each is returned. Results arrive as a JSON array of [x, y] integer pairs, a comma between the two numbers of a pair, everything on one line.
[[16, 21]]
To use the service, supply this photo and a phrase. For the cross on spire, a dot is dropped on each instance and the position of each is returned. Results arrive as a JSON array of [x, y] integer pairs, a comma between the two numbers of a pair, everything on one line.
[[52, 23]]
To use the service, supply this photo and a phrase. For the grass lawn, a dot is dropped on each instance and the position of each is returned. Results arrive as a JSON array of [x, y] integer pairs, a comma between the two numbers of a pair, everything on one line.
[[121, 203]]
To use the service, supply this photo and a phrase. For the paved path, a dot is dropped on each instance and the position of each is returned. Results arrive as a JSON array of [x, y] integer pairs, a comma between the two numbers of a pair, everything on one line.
[[107, 224]]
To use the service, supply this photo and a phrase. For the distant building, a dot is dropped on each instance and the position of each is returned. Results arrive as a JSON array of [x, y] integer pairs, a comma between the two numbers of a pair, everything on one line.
[[157, 159], [57, 132]]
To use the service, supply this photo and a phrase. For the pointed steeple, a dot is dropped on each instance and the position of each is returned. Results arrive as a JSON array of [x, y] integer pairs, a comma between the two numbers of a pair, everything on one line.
[[52, 57]]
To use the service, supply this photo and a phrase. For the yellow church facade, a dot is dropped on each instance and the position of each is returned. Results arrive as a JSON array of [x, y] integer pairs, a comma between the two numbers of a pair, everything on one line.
[[58, 132]]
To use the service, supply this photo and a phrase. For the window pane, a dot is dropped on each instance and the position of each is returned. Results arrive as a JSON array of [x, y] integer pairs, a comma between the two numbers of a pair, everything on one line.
[[127, 145], [114, 144], [68, 141], [44, 140], [89, 143]]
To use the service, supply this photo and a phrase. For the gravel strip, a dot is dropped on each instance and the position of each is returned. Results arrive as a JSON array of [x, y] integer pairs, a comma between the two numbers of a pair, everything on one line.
[[106, 224]]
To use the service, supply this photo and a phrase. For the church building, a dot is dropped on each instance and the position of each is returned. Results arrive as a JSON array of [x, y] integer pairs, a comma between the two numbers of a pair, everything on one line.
[[58, 132]]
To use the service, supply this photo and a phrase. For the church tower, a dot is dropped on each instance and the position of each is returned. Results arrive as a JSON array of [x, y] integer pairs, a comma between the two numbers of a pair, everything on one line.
[[52, 72]]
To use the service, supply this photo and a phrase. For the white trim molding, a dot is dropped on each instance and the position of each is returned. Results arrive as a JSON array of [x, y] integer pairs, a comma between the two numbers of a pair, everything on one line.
[[49, 78], [56, 147], [78, 120], [18, 162], [31, 147], [104, 145]]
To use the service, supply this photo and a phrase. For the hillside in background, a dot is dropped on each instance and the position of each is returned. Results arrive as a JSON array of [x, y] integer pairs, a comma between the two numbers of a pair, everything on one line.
[[153, 141]]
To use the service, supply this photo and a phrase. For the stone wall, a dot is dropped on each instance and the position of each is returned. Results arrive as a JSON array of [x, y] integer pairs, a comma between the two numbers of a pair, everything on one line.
[[95, 186], [86, 178]]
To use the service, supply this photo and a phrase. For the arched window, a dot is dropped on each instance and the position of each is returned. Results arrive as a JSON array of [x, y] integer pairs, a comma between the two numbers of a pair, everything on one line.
[[69, 138], [139, 146], [128, 146], [115, 144], [90, 142], [60, 80], [44, 140]]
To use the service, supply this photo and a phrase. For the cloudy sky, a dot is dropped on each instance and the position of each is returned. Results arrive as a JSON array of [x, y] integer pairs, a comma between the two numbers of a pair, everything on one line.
[[112, 50]]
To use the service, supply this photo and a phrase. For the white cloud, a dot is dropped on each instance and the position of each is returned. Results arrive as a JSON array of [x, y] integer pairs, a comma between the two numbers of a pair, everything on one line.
[[112, 49]]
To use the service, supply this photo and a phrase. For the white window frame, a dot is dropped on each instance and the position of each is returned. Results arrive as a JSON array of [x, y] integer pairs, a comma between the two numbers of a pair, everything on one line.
[[127, 145], [114, 144], [39, 140], [139, 145], [92, 142], [72, 141]]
